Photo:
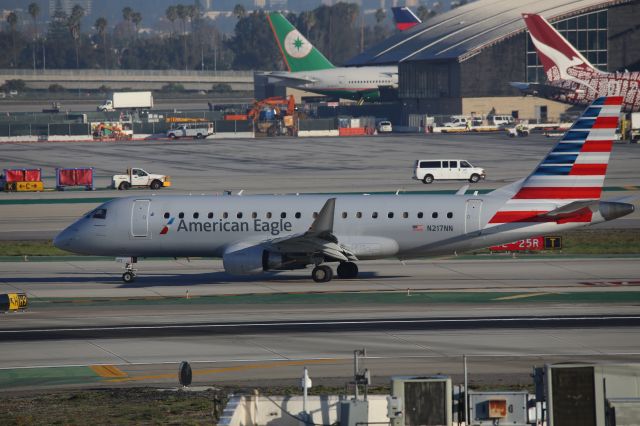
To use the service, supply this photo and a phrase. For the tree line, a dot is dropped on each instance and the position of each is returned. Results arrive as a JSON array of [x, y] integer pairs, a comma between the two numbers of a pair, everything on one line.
[[192, 42]]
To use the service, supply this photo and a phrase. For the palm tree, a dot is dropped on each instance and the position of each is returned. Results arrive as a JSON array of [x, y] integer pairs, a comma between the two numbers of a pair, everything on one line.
[[12, 20], [126, 15], [239, 11], [34, 11], [74, 26], [172, 14], [136, 18], [101, 28], [181, 10], [192, 13]]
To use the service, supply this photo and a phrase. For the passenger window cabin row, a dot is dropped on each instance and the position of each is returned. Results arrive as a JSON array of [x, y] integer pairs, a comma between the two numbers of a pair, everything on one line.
[[298, 215]]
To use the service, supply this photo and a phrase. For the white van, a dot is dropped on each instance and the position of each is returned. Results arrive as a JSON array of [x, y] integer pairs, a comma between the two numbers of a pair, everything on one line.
[[429, 170], [457, 121], [502, 120]]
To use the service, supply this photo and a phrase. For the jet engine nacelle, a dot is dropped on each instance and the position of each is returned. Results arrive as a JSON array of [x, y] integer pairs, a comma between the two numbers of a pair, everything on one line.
[[255, 260]]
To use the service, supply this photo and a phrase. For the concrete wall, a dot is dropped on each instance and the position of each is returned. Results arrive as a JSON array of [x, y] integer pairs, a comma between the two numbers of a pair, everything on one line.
[[131, 79], [259, 410], [526, 106]]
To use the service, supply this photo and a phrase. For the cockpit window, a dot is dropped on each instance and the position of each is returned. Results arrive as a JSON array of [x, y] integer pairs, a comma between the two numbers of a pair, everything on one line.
[[99, 214]]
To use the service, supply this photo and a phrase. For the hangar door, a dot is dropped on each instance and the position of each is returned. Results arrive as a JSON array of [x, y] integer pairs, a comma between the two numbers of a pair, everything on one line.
[[140, 218]]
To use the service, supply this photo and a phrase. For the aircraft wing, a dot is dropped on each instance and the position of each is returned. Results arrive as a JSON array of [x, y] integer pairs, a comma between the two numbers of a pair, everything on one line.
[[284, 76], [319, 239]]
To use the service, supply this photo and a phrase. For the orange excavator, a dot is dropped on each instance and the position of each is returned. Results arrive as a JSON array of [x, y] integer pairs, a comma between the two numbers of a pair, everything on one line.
[[277, 102], [274, 116]]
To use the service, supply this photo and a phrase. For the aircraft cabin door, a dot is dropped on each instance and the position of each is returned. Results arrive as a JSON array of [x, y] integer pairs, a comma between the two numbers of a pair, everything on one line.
[[472, 215], [140, 218]]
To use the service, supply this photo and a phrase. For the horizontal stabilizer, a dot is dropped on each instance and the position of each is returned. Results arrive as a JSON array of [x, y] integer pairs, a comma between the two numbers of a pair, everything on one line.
[[297, 79]]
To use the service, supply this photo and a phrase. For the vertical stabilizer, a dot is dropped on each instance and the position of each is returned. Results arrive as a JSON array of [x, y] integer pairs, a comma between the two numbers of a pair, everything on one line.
[[298, 53], [560, 60], [404, 18], [574, 170]]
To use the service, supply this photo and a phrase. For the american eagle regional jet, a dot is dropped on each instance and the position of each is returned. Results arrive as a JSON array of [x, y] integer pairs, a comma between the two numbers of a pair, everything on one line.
[[257, 233], [309, 69]]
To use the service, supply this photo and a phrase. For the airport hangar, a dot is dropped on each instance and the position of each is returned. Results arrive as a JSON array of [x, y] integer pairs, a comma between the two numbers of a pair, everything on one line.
[[461, 61]]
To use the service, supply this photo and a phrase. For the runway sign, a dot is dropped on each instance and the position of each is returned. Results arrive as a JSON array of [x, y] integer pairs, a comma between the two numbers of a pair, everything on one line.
[[13, 302], [531, 244]]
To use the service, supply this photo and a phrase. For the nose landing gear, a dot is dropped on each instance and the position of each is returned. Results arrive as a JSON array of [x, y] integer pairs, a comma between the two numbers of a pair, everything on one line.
[[129, 275]]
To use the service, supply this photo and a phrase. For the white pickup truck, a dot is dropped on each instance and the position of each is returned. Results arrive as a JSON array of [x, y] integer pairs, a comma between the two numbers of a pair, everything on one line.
[[139, 178], [191, 130]]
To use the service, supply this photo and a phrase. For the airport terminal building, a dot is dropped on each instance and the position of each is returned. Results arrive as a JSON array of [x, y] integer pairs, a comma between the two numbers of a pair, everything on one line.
[[462, 61]]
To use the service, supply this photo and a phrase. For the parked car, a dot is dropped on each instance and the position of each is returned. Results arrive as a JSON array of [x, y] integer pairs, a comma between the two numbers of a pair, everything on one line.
[[385, 127], [429, 170]]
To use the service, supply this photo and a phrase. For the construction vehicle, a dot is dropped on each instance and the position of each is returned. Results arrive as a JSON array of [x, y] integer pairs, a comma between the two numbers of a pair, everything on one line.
[[136, 177], [274, 116], [112, 131]]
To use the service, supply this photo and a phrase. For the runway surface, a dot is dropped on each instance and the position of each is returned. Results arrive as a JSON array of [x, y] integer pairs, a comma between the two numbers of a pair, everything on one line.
[[505, 314], [521, 312]]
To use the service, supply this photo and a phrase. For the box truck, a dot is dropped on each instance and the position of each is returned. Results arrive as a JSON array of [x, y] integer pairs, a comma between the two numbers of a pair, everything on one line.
[[127, 100]]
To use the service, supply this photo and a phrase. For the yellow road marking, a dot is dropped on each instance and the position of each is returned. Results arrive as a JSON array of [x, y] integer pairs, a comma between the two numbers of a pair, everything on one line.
[[108, 371], [630, 187], [520, 296], [274, 364]]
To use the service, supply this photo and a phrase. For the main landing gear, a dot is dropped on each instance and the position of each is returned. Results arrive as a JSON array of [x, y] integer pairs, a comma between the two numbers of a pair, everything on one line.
[[324, 273], [129, 275]]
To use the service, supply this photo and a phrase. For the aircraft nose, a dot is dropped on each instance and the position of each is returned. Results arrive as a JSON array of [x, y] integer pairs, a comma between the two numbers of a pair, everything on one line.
[[65, 239]]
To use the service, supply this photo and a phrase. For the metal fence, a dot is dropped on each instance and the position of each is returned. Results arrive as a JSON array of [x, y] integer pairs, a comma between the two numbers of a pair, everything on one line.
[[317, 124], [52, 129]]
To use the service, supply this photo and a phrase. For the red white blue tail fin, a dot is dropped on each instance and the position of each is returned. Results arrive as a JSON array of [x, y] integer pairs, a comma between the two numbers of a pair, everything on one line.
[[560, 60], [404, 18], [574, 170]]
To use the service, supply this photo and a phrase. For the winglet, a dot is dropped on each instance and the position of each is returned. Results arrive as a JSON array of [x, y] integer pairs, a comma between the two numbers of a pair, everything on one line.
[[323, 224]]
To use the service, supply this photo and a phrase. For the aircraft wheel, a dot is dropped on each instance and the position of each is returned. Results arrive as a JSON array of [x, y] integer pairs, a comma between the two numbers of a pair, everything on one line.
[[128, 277], [322, 274], [347, 270]]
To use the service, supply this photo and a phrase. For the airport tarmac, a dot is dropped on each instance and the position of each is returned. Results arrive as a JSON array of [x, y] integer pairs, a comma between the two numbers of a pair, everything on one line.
[[278, 165], [506, 314], [75, 292]]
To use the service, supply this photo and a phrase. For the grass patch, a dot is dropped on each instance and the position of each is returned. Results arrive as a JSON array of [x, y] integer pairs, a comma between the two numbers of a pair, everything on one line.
[[602, 241], [113, 407], [31, 248]]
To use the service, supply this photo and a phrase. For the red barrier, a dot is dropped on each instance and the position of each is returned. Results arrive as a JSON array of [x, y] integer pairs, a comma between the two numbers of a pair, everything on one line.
[[352, 131], [74, 177], [22, 175]]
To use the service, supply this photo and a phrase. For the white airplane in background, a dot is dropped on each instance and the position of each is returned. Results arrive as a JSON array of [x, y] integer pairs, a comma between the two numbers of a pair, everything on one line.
[[310, 70], [258, 233]]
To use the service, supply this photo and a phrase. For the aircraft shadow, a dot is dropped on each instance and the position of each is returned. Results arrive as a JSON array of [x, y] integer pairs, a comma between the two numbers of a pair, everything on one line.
[[154, 279]]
